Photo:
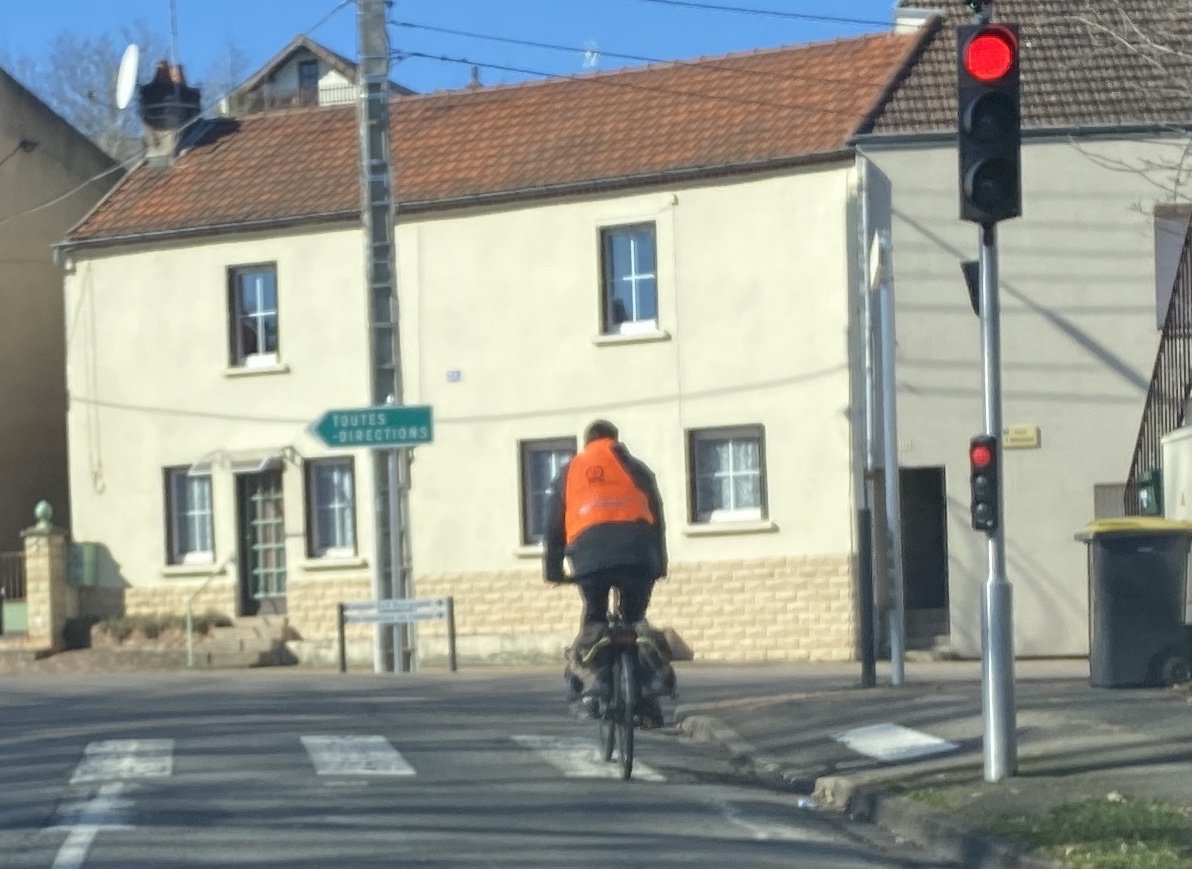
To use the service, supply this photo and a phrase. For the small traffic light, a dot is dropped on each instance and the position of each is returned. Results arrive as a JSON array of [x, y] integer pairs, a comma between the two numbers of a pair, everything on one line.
[[983, 478], [989, 122]]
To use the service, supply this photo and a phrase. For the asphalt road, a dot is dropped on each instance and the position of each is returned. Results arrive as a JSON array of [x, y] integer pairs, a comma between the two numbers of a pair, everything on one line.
[[294, 769]]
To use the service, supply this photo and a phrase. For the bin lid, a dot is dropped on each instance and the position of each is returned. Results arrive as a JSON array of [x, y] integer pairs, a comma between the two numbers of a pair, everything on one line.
[[1133, 525]]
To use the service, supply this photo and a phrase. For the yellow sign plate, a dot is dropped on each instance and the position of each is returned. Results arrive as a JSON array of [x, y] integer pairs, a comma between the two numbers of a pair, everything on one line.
[[1020, 437]]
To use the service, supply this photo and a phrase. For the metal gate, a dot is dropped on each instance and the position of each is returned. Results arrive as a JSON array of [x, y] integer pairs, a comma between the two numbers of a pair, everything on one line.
[[13, 612]]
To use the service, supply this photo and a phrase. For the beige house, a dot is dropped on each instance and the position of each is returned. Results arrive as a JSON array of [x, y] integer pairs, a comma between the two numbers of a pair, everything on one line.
[[1085, 278], [671, 247], [50, 176]]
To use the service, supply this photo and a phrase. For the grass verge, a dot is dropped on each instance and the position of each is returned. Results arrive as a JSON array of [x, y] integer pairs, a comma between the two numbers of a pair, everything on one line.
[[1113, 833]]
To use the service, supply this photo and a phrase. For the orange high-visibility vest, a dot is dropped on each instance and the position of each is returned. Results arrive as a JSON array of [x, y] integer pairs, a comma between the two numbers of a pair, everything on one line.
[[600, 490]]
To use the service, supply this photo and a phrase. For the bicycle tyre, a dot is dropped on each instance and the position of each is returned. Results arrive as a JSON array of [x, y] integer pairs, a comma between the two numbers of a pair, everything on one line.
[[625, 687], [606, 731]]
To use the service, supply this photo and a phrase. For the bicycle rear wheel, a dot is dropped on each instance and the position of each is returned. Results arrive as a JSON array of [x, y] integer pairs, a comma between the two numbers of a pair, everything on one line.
[[625, 688], [605, 728]]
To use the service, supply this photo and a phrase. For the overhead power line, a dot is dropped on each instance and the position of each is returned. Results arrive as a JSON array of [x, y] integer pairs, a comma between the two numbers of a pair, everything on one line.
[[571, 49], [606, 80], [773, 13]]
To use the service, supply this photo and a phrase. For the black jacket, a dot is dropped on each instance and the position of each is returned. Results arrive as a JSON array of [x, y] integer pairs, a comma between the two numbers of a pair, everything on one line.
[[613, 544]]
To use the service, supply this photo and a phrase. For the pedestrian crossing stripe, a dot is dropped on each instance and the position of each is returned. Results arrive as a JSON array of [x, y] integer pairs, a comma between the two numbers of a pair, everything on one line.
[[578, 757], [118, 760], [121, 759], [355, 755], [893, 743]]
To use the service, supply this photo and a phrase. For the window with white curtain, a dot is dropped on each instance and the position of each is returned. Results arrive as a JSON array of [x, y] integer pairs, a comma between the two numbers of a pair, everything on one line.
[[331, 507], [189, 536], [727, 474]]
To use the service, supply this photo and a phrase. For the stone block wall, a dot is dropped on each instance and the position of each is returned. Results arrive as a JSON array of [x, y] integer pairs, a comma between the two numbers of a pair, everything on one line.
[[170, 597], [800, 608], [778, 609]]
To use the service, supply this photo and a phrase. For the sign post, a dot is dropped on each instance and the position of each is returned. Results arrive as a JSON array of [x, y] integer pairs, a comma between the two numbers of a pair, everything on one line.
[[386, 430]]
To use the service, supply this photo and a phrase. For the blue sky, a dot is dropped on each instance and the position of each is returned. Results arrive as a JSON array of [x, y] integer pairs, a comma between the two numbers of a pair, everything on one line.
[[261, 27]]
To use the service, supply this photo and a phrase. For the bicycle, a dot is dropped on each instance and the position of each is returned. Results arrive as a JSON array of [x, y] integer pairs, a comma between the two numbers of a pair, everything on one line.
[[616, 714]]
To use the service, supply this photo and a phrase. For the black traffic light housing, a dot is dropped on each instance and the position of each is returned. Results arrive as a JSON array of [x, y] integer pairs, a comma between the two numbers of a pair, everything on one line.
[[984, 479], [989, 122]]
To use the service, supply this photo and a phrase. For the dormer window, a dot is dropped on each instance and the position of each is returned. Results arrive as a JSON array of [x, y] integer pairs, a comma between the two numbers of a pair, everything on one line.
[[308, 83]]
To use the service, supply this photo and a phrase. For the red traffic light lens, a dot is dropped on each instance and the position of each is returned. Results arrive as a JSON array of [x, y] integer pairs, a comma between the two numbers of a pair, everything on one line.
[[980, 456], [990, 54]]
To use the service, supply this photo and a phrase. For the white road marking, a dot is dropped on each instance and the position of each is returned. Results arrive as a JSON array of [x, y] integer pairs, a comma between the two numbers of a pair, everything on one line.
[[770, 831], [86, 819], [355, 755], [115, 759], [576, 757], [893, 743]]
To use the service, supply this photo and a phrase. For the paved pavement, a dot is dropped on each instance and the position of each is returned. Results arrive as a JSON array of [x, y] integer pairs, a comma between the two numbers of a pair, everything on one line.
[[811, 729], [855, 749]]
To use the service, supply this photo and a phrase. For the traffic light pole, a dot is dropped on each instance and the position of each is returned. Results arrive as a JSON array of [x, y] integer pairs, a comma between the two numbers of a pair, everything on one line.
[[997, 630]]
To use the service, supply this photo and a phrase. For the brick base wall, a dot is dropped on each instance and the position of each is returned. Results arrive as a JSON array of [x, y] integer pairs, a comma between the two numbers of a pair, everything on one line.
[[171, 598], [779, 609], [776, 609]]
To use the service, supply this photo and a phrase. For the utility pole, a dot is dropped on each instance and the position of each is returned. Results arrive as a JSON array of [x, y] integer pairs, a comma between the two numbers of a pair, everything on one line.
[[392, 577], [868, 463], [896, 611]]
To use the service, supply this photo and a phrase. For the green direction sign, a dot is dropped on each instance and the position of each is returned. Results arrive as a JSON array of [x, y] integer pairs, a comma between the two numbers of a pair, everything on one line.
[[397, 426]]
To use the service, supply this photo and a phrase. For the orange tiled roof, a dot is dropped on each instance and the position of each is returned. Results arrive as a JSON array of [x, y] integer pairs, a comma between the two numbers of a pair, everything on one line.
[[711, 115]]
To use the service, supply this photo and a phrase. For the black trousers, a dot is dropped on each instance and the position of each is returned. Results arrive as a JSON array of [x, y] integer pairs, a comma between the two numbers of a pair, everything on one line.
[[635, 583]]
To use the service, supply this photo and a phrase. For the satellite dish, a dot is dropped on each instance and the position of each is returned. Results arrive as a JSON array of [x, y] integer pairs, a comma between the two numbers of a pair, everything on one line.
[[126, 79]]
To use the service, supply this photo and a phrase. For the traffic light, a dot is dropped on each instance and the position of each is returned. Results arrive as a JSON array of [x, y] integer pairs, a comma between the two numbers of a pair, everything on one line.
[[983, 478], [989, 122]]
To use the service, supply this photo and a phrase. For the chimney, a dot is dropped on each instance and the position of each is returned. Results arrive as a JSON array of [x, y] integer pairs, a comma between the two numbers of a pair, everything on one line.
[[908, 20], [167, 106]]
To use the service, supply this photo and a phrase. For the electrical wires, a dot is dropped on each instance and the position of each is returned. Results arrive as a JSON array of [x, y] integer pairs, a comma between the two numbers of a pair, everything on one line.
[[621, 82], [702, 64], [136, 158], [773, 13]]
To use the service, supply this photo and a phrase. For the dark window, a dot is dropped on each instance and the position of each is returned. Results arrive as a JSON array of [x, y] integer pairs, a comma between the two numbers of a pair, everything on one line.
[[308, 83], [253, 315], [629, 279], [540, 462]]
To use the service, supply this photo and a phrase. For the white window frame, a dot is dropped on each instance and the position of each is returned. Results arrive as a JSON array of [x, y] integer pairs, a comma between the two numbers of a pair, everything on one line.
[[634, 325], [705, 436], [189, 516], [260, 313], [527, 450], [315, 531]]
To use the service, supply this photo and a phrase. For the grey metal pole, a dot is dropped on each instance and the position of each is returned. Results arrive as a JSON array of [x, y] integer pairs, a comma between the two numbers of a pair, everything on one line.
[[896, 612], [392, 571], [997, 631], [340, 619], [452, 660], [866, 575]]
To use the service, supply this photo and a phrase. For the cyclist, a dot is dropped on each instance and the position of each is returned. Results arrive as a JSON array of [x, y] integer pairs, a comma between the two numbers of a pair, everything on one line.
[[604, 513]]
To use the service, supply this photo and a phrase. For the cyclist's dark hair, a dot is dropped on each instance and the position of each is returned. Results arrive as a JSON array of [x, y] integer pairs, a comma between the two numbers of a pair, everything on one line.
[[600, 428]]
